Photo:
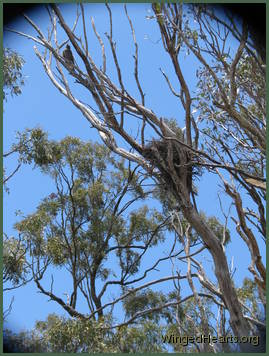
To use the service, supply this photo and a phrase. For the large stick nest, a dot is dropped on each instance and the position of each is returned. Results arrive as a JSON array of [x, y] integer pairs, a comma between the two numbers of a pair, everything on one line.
[[172, 158]]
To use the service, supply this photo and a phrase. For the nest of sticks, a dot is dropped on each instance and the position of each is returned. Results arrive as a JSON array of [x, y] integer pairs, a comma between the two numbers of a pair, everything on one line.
[[173, 158]]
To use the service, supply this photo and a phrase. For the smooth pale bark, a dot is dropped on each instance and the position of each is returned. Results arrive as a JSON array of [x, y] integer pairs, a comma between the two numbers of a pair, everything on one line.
[[176, 183], [238, 322]]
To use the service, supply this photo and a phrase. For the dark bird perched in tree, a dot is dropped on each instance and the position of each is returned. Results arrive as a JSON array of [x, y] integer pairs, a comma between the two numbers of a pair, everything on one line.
[[68, 55], [52, 196]]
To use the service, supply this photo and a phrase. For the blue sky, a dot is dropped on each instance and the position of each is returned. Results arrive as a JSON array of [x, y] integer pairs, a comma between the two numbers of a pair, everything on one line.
[[41, 104]]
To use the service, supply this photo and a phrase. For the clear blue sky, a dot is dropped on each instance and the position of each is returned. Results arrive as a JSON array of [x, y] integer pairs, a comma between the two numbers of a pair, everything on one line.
[[41, 104]]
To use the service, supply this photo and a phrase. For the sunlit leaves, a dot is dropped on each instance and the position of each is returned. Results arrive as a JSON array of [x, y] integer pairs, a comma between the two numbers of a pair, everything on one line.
[[142, 300], [56, 250], [80, 220], [33, 146], [145, 337], [74, 335], [14, 262], [249, 295], [12, 73], [143, 223], [59, 334]]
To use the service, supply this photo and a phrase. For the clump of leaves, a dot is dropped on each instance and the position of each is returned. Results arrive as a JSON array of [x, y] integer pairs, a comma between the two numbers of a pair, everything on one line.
[[13, 78], [249, 295], [33, 146], [14, 263], [142, 300], [61, 334]]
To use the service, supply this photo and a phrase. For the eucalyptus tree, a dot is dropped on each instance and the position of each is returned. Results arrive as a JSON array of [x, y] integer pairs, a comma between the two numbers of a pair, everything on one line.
[[88, 228], [227, 139], [85, 222], [81, 228]]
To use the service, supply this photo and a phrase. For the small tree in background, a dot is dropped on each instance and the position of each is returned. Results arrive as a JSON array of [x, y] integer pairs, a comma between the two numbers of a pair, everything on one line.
[[80, 225]]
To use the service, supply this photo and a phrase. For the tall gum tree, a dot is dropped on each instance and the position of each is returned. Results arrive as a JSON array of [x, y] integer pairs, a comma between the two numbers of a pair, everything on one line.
[[231, 100]]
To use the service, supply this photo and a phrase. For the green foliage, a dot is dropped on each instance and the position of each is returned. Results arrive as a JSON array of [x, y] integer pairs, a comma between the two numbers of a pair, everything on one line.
[[249, 295], [173, 125], [14, 262], [78, 225], [60, 334], [57, 251], [12, 71], [143, 222], [74, 335], [32, 228], [81, 220], [143, 225], [145, 337], [33, 147], [142, 300]]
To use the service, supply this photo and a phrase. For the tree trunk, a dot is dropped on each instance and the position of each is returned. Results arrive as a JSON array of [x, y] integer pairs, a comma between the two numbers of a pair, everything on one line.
[[176, 182], [238, 323]]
